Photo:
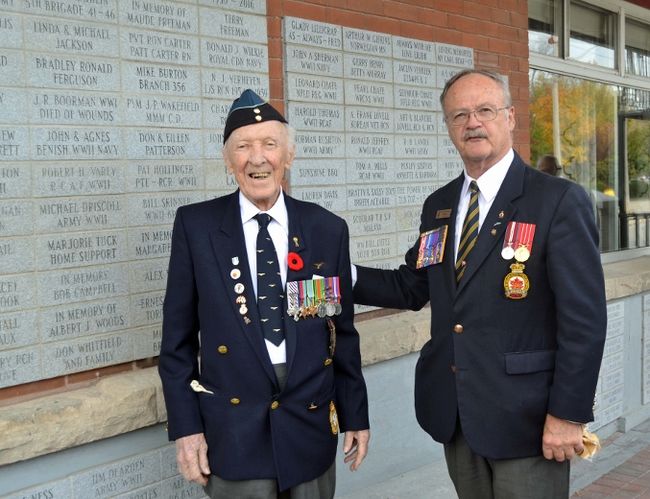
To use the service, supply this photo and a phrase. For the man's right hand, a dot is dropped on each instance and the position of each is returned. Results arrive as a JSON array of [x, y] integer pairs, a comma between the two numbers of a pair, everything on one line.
[[192, 458]]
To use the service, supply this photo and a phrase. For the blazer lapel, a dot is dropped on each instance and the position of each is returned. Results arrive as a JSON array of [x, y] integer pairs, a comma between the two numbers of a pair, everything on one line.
[[229, 249], [496, 221], [449, 263]]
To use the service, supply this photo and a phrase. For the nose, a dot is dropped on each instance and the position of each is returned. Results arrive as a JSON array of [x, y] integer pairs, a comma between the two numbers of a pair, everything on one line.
[[472, 120], [257, 155]]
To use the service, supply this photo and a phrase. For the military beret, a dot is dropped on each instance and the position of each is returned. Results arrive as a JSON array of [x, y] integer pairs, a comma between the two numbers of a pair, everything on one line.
[[248, 109]]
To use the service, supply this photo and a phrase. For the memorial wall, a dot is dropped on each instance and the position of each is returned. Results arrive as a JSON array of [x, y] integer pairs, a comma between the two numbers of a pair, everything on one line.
[[111, 114]]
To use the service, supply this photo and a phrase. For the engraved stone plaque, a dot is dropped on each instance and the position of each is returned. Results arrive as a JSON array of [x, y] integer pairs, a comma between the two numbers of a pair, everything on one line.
[[363, 67], [21, 365], [116, 478], [415, 122], [321, 35], [414, 50], [82, 284], [17, 329], [70, 37], [148, 275], [332, 197], [233, 25], [316, 117], [157, 47], [359, 119], [369, 145], [159, 15], [416, 170], [318, 172], [306, 60], [73, 107], [71, 178], [146, 308], [374, 247], [147, 78], [423, 99], [152, 143], [314, 88], [105, 12], [61, 489], [320, 144], [84, 319], [381, 221], [71, 71], [370, 196], [235, 55], [157, 176], [59, 143], [75, 250], [156, 209], [229, 85], [13, 105], [454, 55], [367, 42], [16, 292], [14, 143], [11, 31], [74, 214], [146, 341], [370, 170], [361, 93], [410, 73], [158, 111], [150, 242], [15, 180]]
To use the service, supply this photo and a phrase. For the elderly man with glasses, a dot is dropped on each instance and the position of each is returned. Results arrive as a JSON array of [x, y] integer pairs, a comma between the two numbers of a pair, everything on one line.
[[508, 258]]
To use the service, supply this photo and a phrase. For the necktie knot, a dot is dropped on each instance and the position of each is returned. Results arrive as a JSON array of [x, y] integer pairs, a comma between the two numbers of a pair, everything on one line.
[[263, 219], [473, 187]]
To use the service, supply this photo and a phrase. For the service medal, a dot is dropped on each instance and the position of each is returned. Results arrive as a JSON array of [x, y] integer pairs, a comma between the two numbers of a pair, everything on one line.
[[516, 283], [522, 254]]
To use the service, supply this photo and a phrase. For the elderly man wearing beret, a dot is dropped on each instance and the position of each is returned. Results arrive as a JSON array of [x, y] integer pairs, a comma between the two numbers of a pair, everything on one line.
[[260, 359]]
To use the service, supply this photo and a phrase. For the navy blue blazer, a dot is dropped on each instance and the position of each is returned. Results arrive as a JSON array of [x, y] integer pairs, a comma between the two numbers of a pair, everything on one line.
[[253, 429], [496, 363]]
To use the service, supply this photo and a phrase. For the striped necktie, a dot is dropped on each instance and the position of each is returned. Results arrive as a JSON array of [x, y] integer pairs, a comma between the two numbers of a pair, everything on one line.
[[269, 283], [469, 233]]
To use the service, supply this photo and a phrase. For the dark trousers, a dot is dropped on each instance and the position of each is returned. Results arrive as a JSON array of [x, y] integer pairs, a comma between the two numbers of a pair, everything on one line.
[[321, 487], [476, 477]]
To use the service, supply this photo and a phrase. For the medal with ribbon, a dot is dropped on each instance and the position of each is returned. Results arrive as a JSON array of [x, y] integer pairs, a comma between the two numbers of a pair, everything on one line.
[[432, 247], [517, 244], [314, 297]]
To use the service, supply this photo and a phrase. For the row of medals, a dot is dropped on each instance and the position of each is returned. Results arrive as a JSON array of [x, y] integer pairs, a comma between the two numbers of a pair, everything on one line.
[[322, 309]]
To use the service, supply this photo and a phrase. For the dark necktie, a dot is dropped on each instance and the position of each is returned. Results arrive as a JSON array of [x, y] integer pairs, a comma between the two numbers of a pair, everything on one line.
[[469, 233], [269, 284]]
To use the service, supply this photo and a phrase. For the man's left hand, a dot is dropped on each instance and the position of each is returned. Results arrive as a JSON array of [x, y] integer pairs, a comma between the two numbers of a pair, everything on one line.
[[562, 439], [355, 447]]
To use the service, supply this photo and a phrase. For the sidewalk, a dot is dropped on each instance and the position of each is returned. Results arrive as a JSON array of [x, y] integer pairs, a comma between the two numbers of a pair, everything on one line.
[[620, 470]]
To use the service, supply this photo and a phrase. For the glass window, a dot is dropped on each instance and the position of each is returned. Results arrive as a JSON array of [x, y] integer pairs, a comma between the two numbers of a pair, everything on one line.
[[544, 27], [637, 48], [593, 35]]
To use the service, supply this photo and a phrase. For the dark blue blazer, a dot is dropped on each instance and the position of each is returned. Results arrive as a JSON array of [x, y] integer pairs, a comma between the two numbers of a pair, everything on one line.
[[514, 360], [206, 338]]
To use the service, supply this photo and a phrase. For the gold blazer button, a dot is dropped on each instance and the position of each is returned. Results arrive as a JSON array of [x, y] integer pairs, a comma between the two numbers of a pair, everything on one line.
[[222, 349], [234, 401], [275, 405]]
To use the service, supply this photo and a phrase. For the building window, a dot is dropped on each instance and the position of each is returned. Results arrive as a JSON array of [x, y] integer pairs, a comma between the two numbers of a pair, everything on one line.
[[592, 35], [637, 48], [544, 27], [600, 135]]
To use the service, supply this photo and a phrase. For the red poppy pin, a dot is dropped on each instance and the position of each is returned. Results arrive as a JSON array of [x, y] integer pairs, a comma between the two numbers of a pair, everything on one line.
[[294, 261]]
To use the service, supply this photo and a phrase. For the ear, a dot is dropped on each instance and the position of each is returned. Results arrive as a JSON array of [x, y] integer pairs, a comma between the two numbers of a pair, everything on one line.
[[512, 122], [291, 155], [225, 156]]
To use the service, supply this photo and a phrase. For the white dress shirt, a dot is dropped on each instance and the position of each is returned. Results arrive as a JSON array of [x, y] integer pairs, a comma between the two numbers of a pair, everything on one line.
[[279, 231], [488, 185]]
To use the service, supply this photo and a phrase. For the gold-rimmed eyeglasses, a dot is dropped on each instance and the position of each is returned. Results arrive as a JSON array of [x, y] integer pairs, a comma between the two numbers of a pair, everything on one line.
[[482, 114]]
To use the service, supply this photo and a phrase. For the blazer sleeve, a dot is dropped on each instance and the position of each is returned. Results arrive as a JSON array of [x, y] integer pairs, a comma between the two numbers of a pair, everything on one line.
[[576, 278], [351, 394], [178, 363]]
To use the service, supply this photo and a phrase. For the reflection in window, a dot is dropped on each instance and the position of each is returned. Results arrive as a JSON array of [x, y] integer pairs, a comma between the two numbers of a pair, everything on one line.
[[575, 120], [593, 32], [637, 48], [544, 27]]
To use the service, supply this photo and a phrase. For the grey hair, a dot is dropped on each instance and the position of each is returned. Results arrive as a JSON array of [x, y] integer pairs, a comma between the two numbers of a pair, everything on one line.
[[291, 137], [493, 75]]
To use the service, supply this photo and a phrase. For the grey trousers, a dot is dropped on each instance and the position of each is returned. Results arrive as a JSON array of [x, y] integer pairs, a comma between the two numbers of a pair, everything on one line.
[[321, 487], [476, 477]]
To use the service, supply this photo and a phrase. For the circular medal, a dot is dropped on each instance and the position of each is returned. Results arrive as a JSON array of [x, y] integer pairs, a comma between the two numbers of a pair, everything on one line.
[[330, 309], [240, 300], [507, 253], [239, 288], [338, 309], [235, 273], [522, 254], [243, 310], [321, 311]]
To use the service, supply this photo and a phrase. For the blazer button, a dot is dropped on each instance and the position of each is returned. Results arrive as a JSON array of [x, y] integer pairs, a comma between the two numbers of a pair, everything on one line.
[[493, 232], [458, 328], [327, 361], [222, 349], [234, 401], [275, 405]]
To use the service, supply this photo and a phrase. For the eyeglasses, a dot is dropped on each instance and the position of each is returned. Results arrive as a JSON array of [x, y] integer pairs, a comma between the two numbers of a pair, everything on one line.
[[485, 113]]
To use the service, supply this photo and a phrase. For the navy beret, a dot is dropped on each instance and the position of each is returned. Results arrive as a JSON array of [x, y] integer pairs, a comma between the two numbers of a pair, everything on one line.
[[248, 109]]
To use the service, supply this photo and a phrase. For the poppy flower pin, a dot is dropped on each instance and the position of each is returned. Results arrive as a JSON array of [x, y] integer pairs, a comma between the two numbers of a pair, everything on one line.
[[295, 261]]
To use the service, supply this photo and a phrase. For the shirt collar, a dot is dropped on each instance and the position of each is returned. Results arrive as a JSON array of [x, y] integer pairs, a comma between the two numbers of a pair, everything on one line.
[[490, 182], [278, 211]]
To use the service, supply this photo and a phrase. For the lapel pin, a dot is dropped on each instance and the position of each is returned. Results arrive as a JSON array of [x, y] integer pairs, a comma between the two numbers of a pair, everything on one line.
[[501, 214], [235, 273], [235, 260], [239, 288], [295, 241]]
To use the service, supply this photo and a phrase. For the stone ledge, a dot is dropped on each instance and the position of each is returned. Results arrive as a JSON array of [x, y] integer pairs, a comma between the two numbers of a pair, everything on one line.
[[627, 278], [127, 402]]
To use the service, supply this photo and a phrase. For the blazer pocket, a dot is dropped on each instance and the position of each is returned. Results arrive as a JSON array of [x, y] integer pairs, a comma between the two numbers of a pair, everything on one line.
[[530, 362]]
